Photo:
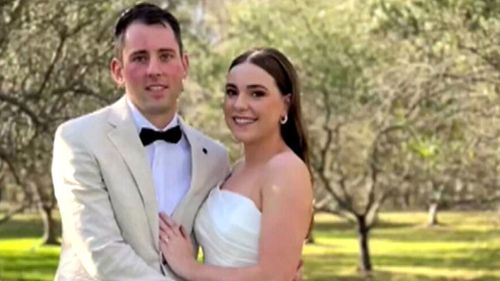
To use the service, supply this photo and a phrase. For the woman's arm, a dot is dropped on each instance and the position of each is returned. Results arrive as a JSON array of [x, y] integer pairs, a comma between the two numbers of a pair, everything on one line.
[[286, 212]]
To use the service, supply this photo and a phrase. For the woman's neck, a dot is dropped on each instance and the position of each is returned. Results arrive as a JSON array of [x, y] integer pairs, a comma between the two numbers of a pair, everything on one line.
[[261, 151]]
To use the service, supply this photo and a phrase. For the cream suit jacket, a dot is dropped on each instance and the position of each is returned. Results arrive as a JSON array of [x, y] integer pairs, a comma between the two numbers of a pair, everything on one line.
[[104, 188]]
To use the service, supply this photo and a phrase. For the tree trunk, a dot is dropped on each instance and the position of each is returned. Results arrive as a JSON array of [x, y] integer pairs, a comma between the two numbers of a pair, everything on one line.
[[407, 199], [310, 235], [310, 239], [13, 212], [363, 236], [49, 226], [433, 214]]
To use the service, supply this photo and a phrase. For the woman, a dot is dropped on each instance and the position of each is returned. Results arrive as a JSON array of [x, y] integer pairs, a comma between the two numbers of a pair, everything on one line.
[[253, 224]]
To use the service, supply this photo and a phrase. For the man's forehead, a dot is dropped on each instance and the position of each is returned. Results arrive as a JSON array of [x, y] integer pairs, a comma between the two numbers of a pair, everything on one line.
[[155, 36], [140, 27]]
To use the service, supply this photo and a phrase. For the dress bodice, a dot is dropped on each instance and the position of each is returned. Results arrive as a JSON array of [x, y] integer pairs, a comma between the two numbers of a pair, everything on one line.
[[228, 229]]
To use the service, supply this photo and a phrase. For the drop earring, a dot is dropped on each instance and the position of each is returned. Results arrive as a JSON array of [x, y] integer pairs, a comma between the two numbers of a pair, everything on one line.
[[283, 119]]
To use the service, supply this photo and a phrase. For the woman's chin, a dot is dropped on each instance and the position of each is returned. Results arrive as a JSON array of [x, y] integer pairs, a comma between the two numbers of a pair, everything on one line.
[[244, 138]]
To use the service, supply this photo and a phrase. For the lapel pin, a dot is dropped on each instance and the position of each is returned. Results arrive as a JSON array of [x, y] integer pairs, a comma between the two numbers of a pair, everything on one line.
[[204, 150]]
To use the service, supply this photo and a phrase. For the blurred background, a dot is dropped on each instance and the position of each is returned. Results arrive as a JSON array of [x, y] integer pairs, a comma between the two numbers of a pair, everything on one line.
[[401, 101]]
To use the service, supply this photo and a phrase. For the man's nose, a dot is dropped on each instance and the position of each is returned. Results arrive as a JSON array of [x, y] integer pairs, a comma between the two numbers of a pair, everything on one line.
[[154, 67]]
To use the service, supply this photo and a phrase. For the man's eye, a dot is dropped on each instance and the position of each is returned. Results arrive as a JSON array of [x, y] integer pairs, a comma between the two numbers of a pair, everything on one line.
[[139, 59], [166, 57], [231, 92]]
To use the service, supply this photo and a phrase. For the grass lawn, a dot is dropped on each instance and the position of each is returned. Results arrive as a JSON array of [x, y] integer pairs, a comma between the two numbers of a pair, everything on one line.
[[21, 256], [465, 247]]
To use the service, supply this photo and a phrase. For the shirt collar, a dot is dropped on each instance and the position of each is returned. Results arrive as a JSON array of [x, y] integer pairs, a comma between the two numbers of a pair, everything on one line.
[[141, 121]]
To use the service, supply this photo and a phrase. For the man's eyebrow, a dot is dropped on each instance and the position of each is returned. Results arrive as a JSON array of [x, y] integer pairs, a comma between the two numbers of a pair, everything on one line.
[[162, 50], [138, 52], [166, 50]]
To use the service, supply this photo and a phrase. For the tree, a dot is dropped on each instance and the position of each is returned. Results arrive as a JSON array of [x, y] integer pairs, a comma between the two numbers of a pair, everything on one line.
[[52, 59], [333, 82], [394, 93], [458, 41]]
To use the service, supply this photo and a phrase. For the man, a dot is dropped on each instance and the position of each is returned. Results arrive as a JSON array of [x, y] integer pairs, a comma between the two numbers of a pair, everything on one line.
[[116, 169]]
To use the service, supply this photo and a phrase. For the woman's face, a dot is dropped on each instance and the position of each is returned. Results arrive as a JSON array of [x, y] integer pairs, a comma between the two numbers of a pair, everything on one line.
[[253, 104]]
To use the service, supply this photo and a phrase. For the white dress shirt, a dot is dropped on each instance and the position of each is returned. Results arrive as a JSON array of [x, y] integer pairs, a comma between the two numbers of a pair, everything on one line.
[[170, 163]]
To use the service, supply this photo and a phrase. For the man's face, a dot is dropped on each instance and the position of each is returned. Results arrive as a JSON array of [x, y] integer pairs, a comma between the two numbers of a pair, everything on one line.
[[151, 69]]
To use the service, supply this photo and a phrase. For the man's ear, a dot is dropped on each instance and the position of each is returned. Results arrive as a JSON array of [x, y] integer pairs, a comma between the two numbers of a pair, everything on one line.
[[116, 68], [185, 64]]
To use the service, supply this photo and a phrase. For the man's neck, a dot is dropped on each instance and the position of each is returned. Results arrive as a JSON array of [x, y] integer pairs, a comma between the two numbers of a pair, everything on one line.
[[160, 121]]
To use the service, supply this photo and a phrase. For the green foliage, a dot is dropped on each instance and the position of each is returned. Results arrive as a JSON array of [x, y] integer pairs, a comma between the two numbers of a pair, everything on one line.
[[449, 50]]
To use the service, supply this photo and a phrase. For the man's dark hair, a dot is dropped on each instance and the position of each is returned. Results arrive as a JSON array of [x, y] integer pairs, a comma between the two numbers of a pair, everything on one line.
[[148, 14]]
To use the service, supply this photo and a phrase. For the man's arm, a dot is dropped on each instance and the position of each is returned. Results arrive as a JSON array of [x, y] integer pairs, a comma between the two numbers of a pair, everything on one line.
[[87, 215]]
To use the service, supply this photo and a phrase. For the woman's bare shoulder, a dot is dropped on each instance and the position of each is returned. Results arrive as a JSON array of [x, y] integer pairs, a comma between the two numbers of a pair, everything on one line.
[[288, 171]]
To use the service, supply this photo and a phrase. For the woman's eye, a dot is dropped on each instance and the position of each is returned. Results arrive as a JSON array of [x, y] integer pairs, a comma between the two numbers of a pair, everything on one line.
[[258, 94]]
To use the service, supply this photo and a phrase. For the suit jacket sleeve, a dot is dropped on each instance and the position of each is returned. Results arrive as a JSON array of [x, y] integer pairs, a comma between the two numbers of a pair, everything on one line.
[[87, 214]]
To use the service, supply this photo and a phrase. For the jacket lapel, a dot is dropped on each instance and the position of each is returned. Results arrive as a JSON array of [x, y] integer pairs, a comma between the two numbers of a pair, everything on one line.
[[197, 171], [125, 137]]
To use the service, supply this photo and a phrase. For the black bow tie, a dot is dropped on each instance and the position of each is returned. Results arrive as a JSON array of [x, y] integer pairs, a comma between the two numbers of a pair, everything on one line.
[[172, 135]]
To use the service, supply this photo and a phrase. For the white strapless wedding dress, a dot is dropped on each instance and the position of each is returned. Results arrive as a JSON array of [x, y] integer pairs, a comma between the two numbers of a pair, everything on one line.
[[227, 228]]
